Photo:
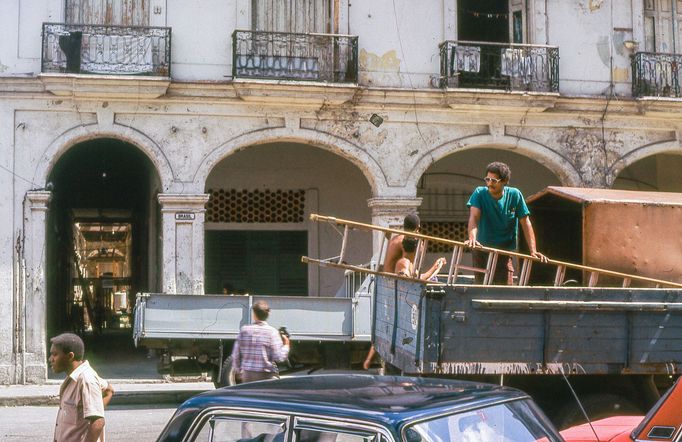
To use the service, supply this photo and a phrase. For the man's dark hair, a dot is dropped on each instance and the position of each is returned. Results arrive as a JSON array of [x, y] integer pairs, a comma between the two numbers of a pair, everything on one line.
[[69, 342], [411, 222], [501, 169], [261, 310], [410, 244]]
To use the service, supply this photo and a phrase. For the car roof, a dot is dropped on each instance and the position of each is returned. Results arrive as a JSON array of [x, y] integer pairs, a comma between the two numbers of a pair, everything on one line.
[[381, 399]]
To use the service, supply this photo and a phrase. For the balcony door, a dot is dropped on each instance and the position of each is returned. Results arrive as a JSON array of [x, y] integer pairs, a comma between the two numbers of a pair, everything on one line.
[[108, 12], [495, 21], [295, 16], [662, 24]]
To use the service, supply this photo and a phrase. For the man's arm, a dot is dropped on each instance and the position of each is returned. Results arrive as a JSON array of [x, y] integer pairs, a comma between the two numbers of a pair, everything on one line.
[[94, 429], [474, 218], [279, 347], [236, 361], [529, 234], [107, 394], [435, 268]]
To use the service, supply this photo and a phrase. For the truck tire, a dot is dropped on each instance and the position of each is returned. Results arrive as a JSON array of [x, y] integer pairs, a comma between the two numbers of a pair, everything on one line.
[[597, 406], [227, 377]]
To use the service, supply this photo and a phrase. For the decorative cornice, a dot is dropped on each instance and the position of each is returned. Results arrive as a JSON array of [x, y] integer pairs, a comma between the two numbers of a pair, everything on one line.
[[173, 202], [294, 92], [38, 199], [105, 86]]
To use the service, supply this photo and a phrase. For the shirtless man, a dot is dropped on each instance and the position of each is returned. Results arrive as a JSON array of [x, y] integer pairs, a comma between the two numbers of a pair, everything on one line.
[[405, 267], [395, 245], [394, 253]]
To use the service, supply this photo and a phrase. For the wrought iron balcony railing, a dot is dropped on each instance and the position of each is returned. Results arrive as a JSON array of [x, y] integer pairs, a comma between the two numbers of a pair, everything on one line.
[[285, 56], [514, 67], [98, 49], [656, 74]]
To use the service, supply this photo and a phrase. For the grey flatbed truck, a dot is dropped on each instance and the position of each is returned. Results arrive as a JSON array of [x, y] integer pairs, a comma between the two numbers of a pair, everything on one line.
[[613, 336], [194, 334]]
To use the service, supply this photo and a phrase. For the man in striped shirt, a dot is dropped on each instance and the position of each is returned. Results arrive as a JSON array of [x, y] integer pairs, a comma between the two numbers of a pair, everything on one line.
[[259, 347]]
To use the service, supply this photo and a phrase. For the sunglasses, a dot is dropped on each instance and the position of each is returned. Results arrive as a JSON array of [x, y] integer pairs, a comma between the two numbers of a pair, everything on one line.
[[491, 180]]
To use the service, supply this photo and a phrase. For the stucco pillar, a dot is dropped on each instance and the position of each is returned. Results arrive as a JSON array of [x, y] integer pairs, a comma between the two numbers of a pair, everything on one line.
[[182, 227], [30, 342], [390, 212]]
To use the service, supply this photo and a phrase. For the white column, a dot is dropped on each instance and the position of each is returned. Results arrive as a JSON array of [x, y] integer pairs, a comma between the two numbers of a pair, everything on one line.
[[182, 227], [31, 353], [390, 212]]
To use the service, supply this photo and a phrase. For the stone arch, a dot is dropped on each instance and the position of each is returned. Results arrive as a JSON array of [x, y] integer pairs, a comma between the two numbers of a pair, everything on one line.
[[72, 137], [356, 155], [552, 160], [640, 153]]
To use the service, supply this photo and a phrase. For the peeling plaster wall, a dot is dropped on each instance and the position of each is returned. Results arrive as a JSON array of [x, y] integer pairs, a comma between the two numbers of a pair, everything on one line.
[[7, 236], [590, 35], [201, 51], [397, 52]]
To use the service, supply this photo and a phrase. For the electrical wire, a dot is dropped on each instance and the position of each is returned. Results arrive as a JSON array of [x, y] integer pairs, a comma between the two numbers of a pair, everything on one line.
[[409, 76]]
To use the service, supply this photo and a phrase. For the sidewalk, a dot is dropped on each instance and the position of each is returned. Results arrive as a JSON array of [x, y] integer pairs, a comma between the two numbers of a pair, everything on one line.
[[127, 392]]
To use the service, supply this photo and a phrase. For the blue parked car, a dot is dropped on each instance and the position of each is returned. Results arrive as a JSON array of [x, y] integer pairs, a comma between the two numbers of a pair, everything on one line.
[[360, 408]]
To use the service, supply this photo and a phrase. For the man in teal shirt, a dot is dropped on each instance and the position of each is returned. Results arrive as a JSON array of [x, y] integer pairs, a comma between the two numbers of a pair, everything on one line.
[[495, 211]]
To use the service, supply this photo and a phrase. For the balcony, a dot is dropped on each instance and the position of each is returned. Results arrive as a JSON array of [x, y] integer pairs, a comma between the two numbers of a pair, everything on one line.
[[301, 57], [656, 75], [106, 50], [511, 67]]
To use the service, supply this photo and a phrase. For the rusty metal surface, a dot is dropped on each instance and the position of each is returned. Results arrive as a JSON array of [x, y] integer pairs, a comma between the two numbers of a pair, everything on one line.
[[639, 239], [609, 196]]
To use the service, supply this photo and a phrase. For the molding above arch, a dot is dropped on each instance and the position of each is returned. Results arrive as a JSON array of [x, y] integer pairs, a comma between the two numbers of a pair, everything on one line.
[[359, 157], [549, 158], [630, 158], [65, 141]]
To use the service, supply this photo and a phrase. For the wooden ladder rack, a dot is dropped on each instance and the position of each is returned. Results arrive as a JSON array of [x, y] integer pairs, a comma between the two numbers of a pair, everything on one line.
[[457, 255]]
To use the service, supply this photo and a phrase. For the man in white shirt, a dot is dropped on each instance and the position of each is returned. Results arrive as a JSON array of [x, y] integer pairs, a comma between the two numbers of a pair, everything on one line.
[[82, 395]]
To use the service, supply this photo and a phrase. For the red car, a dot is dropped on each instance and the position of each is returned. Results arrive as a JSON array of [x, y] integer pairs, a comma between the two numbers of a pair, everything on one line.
[[663, 423]]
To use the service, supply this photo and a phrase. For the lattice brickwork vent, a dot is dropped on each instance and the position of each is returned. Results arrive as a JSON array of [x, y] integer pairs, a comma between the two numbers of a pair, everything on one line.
[[255, 206], [456, 231]]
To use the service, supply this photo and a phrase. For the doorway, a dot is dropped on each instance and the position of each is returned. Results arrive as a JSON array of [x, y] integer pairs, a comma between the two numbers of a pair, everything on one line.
[[102, 249]]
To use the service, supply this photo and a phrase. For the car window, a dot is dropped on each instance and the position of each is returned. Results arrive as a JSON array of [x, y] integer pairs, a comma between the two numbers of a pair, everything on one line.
[[517, 421], [232, 429], [330, 436], [329, 432]]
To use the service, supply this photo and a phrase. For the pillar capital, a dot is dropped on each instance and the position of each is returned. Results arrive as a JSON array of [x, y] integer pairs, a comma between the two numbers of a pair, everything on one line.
[[38, 199], [396, 206], [175, 202], [390, 212]]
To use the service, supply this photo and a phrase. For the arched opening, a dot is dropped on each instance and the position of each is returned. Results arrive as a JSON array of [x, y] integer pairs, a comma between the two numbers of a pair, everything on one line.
[[658, 173], [257, 219], [447, 184], [101, 241]]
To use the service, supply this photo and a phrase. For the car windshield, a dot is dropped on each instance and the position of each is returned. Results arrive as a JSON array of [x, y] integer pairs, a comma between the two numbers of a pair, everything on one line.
[[516, 421]]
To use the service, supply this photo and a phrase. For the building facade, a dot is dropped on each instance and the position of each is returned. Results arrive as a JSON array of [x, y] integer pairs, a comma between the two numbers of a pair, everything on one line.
[[180, 147]]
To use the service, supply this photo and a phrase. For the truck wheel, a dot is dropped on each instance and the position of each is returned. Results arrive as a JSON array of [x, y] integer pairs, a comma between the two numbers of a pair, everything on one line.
[[226, 375], [597, 406]]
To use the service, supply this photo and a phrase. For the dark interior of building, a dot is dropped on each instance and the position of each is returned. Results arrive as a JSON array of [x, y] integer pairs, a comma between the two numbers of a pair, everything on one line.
[[483, 20], [100, 219]]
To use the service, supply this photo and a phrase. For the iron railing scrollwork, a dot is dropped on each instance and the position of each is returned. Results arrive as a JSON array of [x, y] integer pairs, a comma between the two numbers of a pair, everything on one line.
[[656, 74], [509, 66], [104, 49], [288, 56]]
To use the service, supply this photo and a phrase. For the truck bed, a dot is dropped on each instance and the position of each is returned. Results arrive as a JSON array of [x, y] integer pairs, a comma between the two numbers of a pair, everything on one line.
[[465, 330], [162, 317]]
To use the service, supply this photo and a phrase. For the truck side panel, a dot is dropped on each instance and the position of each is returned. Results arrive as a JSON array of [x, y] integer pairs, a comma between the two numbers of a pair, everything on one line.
[[197, 317], [456, 330]]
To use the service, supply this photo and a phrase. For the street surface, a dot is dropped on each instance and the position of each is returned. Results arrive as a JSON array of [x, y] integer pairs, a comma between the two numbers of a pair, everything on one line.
[[124, 423]]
